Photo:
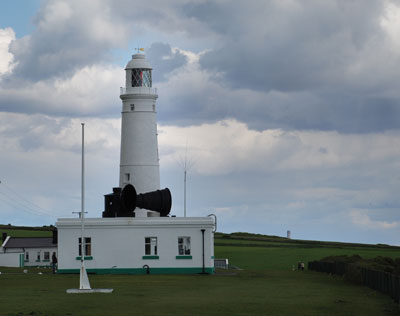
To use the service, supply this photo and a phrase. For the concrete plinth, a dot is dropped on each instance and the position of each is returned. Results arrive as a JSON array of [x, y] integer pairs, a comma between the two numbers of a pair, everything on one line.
[[78, 291]]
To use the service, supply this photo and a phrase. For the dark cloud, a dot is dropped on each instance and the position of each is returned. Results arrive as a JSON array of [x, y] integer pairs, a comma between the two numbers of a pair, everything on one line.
[[287, 46], [164, 60], [314, 110], [323, 57]]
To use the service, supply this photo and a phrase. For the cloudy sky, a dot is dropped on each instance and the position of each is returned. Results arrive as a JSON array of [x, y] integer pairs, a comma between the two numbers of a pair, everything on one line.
[[288, 111]]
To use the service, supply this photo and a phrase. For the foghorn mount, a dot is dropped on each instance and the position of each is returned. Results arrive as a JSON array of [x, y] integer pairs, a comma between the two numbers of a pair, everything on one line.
[[122, 203]]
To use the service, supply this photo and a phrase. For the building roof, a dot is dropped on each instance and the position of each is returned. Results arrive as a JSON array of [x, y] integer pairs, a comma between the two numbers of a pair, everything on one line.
[[30, 242], [132, 222]]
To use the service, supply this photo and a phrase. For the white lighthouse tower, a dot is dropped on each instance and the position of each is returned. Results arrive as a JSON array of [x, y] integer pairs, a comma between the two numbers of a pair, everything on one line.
[[139, 164]]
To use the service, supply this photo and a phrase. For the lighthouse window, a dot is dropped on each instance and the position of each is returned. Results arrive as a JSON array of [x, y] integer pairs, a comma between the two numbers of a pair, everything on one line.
[[183, 246], [127, 177], [132, 107], [150, 247], [154, 107], [141, 77]]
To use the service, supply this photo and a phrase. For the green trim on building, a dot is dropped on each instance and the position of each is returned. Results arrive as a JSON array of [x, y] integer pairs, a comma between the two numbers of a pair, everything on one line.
[[212, 257], [37, 261], [183, 257], [21, 260], [150, 257], [47, 260], [86, 258], [139, 271]]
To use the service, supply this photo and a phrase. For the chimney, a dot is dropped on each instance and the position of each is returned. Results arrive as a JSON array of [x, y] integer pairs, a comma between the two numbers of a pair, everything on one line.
[[55, 236]]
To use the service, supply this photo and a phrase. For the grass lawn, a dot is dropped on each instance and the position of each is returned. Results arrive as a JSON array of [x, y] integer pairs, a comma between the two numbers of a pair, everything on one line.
[[266, 286], [247, 293]]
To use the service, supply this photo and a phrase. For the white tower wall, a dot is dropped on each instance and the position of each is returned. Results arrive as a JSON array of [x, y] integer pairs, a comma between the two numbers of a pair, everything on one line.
[[139, 163]]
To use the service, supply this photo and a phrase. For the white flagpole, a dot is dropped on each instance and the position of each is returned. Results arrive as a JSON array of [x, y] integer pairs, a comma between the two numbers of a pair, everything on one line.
[[84, 285], [83, 194], [83, 280]]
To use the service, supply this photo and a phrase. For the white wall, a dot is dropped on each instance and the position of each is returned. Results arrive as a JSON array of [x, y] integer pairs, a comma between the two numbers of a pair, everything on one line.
[[10, 259], [33, 262], [119, 243], [139, 146]]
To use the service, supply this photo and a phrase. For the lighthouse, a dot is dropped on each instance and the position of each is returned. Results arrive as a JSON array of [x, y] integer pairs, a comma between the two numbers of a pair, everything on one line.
[[137, 234], [139, 162]]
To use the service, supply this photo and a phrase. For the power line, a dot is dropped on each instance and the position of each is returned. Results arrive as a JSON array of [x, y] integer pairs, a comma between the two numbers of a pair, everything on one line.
[[20, 201], [12, 203]]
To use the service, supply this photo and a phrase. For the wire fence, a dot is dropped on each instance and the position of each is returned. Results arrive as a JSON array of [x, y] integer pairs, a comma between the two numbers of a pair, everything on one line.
[[381, 281]]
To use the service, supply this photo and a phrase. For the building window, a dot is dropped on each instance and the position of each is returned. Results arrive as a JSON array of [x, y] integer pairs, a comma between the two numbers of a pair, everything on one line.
[[38, 256], [154, 107], [150, 248], [46, 256], [26, 256], [132, 107], [88, 246], [127, 177], [183, 246]]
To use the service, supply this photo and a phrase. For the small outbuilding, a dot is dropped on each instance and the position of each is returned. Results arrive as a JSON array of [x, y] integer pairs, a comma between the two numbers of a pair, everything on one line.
[[27, 251]]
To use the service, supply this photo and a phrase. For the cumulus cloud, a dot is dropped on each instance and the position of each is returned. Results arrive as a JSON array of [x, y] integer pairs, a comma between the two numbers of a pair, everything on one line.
[[66, 39], [288, 45], [164, 60], [7, 35], [40, 161], [361, 218], [280, 177], [289, 110], [333, 51], [290, 65], [230, 146], [90, 90]]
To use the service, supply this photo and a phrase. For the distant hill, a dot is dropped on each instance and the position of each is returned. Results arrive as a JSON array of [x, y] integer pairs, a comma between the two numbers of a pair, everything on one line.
[[239, 239], [259, 240]]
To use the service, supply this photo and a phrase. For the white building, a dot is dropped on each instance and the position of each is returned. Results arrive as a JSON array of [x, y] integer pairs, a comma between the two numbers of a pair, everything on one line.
[[138, 241], [27, 251], [138, 245]]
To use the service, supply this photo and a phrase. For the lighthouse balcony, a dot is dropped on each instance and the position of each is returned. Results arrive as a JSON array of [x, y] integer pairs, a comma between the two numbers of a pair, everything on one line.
[[138, 90]]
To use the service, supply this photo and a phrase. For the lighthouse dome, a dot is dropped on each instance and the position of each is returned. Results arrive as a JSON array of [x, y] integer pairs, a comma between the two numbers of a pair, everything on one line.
[[138, 61]]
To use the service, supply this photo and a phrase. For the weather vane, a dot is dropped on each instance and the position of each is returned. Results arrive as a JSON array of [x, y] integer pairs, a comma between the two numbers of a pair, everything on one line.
[[139, 49]]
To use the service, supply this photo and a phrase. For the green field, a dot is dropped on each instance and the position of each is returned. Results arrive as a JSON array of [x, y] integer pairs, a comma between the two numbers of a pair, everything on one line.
[[25, 231], [266, 285]]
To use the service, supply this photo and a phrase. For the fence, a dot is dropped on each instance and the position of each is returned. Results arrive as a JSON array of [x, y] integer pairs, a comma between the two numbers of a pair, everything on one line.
[[381, 281], [221, 263]]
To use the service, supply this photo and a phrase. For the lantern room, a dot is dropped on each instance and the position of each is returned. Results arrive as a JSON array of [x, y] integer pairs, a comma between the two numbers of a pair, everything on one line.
[[138, 72]]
